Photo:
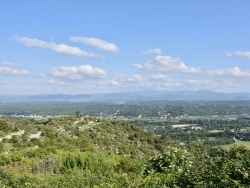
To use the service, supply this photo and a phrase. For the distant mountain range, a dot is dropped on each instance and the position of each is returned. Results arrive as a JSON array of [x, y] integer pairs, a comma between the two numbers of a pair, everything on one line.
[[130, 96]]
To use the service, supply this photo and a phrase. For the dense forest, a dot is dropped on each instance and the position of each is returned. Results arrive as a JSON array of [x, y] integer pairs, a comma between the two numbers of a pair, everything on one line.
[[85, 151]]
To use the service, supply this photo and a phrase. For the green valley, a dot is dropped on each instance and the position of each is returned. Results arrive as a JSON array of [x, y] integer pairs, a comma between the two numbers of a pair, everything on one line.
[[103, 145]]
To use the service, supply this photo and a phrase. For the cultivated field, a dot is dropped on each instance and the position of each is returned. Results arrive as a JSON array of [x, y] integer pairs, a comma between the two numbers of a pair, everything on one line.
[[237, 143]]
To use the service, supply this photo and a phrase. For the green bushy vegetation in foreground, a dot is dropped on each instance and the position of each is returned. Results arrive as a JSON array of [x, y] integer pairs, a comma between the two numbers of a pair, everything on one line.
[[71, 151]]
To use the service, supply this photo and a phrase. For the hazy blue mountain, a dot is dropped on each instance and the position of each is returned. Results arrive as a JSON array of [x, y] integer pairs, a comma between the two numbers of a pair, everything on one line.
[[131, 96]]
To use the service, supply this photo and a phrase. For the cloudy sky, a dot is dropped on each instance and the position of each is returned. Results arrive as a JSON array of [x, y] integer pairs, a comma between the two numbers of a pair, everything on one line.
[[91, 46]]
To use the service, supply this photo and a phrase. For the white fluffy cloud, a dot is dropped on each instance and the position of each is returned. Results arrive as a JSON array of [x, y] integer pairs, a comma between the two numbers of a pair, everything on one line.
[[12, 69], [78, 72], [128, 82], [234, 71], [98, 43], [160, 77], [56, 82], [138, 82], [170, 64], [114, 83], [166, 64], [61, 48], [135, 79], [153, 51], [163, 81], [239, 53]]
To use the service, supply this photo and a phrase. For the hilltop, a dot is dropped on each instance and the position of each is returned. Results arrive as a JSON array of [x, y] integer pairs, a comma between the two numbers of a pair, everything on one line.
[[33, 149], [79, 134]]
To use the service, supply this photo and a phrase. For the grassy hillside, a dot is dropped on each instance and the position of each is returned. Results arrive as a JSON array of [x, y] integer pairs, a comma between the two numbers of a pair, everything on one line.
[[70, 151], [79, 134], [32, 150]]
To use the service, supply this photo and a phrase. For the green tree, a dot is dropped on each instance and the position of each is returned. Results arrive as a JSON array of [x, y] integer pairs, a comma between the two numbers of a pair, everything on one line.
[[78, 114]]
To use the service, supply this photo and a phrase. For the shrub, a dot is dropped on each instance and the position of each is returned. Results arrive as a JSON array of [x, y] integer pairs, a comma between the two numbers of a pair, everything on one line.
[[50, 164], [4, 125]]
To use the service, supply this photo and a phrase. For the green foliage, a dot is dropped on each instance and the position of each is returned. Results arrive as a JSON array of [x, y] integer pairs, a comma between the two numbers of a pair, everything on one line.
[[50, 164], [167, 167], [178, 168], [36, 141], [129, 165], [78, 114], [90, 152], [172, 160], [225, 168], [99, 162], [4, 125]]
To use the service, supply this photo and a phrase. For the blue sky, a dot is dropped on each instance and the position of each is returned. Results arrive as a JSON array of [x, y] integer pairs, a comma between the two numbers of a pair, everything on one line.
[[81, 46]]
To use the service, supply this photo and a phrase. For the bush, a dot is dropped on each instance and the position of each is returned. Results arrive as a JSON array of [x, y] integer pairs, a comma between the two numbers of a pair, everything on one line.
[[178, 168], [4, 125], [50, 164]]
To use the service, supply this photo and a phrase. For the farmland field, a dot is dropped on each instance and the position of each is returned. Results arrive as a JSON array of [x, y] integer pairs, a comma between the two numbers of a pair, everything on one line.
[[216, 131], [237, 143]]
